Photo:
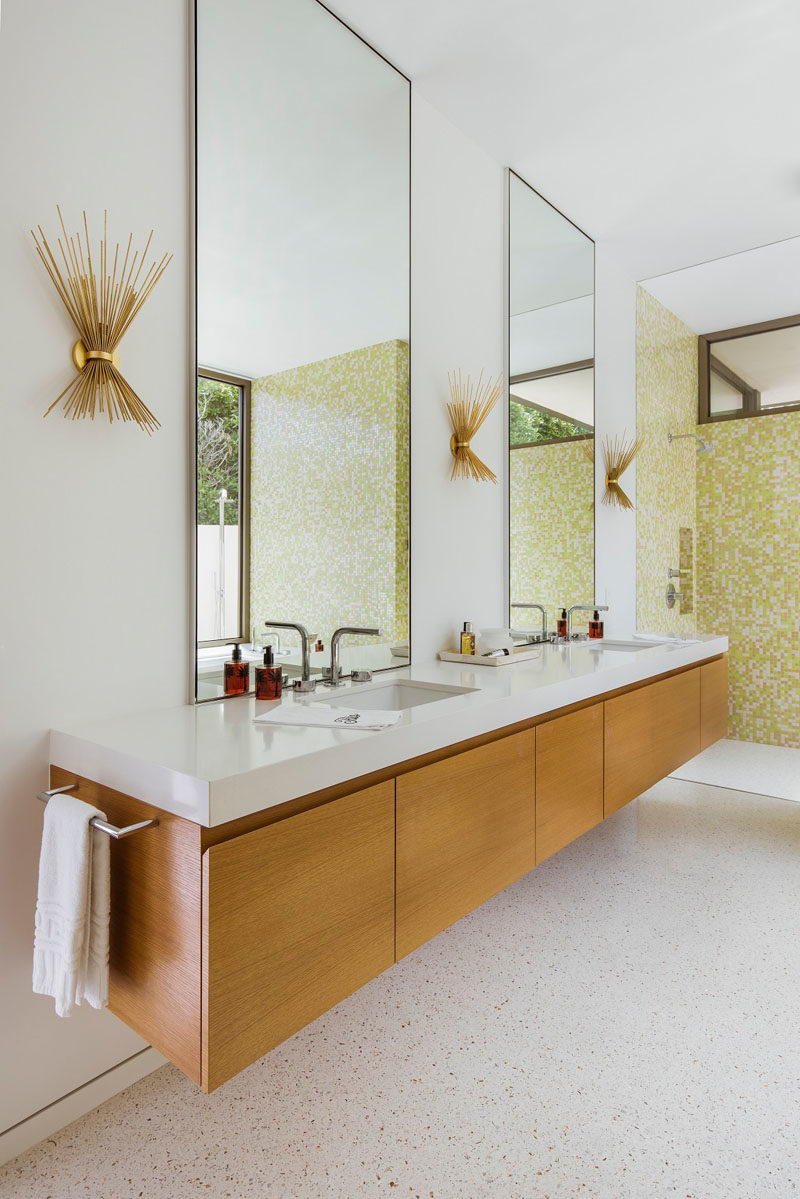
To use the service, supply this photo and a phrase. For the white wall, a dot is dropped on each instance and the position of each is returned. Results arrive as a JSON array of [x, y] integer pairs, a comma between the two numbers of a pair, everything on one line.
[[93, 598], [93, 606], [615, 398], [457, 532]]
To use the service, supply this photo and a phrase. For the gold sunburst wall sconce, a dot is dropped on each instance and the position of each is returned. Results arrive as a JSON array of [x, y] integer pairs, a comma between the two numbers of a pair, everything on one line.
[[102, 305], [617, 457], [470, 404]]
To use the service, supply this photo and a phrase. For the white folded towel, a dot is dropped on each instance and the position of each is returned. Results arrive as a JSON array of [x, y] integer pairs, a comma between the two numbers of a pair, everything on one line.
[[326, 717], [70, 952]]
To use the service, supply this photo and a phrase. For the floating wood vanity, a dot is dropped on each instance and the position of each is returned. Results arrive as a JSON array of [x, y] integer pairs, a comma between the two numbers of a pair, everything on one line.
[[227, 939]]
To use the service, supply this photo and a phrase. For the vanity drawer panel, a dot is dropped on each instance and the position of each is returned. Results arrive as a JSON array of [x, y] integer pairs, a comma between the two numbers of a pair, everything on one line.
[[297, 916], [630, 760], [649, 732], [676, 712], [156, 907], [713, 702], [465, 830], [569, 779]]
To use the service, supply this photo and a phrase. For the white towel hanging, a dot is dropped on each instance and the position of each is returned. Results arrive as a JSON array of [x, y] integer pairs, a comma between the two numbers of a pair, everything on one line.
[[70, 955]]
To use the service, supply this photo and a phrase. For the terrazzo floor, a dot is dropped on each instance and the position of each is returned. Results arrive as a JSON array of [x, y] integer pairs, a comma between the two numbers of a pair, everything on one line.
[[621, 1023], [747, 766]]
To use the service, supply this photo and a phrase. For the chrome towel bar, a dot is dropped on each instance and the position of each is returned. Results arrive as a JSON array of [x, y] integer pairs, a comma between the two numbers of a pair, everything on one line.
[[96, 822]]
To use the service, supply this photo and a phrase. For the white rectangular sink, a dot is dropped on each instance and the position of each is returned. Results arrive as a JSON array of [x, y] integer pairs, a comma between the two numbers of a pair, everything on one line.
[[626, 647], [395, 696]]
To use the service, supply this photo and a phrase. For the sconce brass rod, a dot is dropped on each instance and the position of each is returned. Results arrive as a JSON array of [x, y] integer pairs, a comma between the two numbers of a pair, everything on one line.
[[102, 310]]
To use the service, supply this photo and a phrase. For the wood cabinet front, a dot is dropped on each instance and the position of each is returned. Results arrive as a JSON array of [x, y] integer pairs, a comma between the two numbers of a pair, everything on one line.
[[297, 916], [218, 956], [713, 702], [465, 830], [649, 732], [569, 779]]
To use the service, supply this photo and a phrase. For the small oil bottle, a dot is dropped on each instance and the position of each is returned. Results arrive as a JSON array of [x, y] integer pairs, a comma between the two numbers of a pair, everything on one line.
[[596, 626], [269, 677], [467, 639], [236, 674], [561, 624]]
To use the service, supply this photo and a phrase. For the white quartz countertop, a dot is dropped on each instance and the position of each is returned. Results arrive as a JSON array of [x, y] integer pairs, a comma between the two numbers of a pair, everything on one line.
[[210, 763]]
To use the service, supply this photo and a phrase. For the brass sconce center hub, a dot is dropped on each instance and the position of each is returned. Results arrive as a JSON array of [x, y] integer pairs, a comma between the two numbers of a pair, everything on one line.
[[80, 356]]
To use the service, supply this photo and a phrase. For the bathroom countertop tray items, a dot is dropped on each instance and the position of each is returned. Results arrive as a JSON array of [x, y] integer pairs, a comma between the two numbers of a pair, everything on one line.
[[522, 654]]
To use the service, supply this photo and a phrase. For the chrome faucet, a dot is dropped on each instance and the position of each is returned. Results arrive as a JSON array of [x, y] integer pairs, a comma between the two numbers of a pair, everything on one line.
[[305, 682], [540, 608], [582, 608], [334, 679], [277, 636]]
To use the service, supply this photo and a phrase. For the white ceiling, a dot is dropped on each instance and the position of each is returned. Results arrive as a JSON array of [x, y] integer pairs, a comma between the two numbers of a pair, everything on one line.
[[302, 179], [743, 289], [552, 262], [670, 131]]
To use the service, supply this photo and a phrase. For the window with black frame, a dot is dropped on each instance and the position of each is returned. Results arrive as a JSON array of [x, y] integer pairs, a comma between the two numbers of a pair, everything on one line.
[[753, 370], [222, 422], [549, 406]]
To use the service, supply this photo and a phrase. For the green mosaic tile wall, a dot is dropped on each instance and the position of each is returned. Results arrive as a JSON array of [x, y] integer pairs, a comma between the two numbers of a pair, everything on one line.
[[552, 529], [666, 475], [743, 503], [330, 494], [748, 508]]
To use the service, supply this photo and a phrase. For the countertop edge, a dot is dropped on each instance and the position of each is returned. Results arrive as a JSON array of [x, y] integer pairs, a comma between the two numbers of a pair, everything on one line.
[[216, 801]]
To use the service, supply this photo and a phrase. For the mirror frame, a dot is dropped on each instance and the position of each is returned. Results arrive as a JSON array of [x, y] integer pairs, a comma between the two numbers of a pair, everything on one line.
[[193, 367], [510, 174]]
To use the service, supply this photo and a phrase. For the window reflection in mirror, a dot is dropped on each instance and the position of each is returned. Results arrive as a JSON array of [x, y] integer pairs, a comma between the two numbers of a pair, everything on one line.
[[303, 159], [222, 503], [551, 410]]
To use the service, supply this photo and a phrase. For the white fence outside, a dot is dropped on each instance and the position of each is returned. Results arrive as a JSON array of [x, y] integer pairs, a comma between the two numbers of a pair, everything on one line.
[[217, 583]]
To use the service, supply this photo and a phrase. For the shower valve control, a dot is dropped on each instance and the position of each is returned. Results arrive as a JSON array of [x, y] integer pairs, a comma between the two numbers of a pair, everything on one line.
[[673, 595]]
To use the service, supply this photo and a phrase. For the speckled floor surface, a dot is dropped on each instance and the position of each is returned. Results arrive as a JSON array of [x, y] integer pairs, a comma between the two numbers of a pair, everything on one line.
[[746, 766], [623, 1022]]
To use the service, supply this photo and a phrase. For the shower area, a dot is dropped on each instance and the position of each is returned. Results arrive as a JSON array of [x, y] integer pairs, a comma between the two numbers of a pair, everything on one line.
[[718, 505]]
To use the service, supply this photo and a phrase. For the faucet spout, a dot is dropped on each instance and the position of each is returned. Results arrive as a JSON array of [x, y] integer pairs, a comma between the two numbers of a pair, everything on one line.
[[582, 608], [539, 608], [305, 659], [335, 639]]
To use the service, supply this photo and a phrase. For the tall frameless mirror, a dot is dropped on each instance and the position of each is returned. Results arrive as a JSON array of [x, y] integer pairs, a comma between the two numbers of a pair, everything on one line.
[[551, 412], [303, 151]]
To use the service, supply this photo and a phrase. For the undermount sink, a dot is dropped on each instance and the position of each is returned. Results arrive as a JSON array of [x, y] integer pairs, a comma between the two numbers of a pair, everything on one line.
[[394, 697], [626, 647]]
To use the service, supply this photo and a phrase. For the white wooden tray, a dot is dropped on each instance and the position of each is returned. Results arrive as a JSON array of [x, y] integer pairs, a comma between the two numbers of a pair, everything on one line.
[[522, 654]]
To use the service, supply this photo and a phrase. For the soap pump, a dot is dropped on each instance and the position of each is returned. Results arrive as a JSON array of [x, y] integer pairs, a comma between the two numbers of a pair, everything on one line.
[[561, 624], [236, 673], [596, 626], [269, 677]]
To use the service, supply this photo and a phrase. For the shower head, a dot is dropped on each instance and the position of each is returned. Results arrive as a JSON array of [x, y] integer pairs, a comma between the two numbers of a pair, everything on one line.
[[703, 447]]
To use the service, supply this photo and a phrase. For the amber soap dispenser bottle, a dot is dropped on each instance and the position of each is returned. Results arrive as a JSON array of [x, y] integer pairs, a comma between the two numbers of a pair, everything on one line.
[[561, 623], [237, 674], [596, 626], [269, 677]]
